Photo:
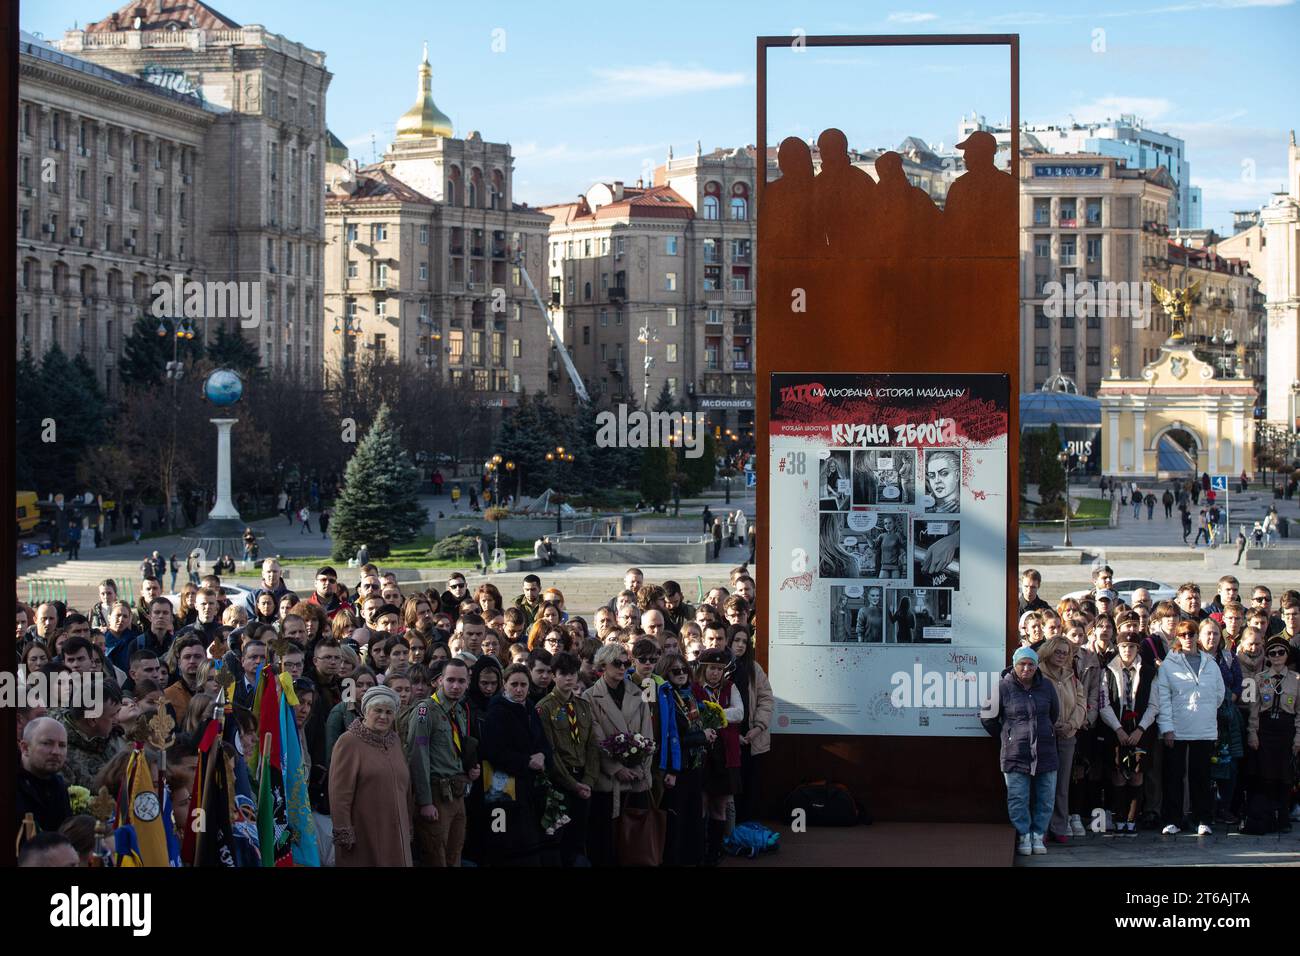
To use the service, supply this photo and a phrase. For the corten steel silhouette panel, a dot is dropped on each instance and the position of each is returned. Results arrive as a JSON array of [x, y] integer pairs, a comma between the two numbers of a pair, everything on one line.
[[889, 284]]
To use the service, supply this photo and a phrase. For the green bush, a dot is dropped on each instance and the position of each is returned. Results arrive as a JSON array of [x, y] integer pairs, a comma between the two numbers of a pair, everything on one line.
[[1050, 510], [461, 546]]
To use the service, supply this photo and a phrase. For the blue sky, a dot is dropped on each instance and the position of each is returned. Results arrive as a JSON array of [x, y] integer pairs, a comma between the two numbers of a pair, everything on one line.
[[587, 91]]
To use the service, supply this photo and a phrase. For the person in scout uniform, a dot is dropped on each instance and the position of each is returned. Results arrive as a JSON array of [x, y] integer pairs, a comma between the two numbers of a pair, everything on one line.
[[1274, 738], [441, 749], [567, 723]]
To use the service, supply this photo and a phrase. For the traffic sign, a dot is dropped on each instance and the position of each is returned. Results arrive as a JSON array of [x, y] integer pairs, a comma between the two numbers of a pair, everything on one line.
[[1219, 482], [751, 479]]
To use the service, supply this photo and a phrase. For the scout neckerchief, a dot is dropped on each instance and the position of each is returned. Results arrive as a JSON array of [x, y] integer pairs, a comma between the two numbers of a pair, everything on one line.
[[455, 728]]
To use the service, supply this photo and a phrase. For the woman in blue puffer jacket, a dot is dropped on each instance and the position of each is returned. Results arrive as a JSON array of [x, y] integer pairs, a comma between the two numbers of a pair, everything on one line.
[[1023, 716]]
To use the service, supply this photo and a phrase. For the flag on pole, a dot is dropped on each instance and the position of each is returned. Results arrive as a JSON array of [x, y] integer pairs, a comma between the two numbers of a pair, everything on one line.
[[141, 809], [296, 766], [272, 805]]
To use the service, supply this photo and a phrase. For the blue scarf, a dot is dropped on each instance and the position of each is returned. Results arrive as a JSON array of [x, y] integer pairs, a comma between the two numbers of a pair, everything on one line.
[[671, 748]]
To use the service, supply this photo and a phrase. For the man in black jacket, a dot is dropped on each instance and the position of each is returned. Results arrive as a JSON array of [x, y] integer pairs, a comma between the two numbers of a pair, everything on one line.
[[207, 626], [40, 788], [457, 591], [160, 622], [1030, 581]]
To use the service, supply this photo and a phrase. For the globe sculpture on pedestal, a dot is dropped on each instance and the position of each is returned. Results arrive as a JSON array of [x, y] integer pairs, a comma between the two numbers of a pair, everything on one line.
[[223, 388]]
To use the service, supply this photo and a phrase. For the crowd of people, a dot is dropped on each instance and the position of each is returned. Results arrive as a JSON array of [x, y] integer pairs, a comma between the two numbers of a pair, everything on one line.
[[1169, 715], [435, 727]]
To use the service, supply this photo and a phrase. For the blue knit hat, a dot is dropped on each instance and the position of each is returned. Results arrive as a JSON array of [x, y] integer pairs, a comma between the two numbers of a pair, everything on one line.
[[1024, 653]]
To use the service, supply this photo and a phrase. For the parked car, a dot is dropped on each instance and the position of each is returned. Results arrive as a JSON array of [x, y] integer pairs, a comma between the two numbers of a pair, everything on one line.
[[234, 594], [1125, 587]]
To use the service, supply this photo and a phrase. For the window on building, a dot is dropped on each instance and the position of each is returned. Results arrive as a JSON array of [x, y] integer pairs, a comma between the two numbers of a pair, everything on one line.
[[670, 245], [378, 232], [1042, 247], [1094, 356], [1094, 249], [352, 232], [604, 317], [1067, 357], [424, 235], [670, 282], [604, 245], [739, 208], [352, 268], [424, 271], [670, 353], [672, 317], [586, 291], [618, 245], [586, 248], [516, 348], [1067, 321], [710, 207], [1040, 356], [569, 286], [1040, 319], [456, 342], [1094, 322]]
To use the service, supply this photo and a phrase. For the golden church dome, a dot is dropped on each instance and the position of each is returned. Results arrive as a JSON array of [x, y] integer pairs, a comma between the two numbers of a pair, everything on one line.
[[424, 119]]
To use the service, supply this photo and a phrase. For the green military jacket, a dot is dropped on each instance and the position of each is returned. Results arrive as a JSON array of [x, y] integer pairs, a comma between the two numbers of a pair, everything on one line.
[[583, 752], [86, 755], [530, 610], [431, 747]]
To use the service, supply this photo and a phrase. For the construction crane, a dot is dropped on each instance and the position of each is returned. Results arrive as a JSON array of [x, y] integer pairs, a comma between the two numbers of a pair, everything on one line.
[[556, 339]]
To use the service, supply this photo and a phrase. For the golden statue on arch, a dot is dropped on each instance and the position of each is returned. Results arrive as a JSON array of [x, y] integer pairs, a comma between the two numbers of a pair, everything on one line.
[[1177, 304]]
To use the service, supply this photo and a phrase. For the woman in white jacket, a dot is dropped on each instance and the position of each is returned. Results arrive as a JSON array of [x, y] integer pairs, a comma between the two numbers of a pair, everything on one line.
[[1189, 688]]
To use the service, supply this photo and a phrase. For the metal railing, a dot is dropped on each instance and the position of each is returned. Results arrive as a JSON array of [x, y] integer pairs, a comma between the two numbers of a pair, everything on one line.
[[40, 590]]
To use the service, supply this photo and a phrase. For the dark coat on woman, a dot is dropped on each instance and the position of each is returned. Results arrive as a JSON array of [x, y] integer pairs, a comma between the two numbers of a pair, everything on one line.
[[1024, 720]]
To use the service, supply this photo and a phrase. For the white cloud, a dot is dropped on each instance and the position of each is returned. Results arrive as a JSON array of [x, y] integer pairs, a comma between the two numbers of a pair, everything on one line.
[[665, 79], [1147, 108], [907, 17], [1241, 193]]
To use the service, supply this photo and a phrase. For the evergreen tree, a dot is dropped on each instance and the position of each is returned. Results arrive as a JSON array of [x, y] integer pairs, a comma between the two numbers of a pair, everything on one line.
[[145, 353], [377, 506], [1051, 476], [665, 402], [698, 473], [29, 392], [60, 418], [229, 349], [657, 474]]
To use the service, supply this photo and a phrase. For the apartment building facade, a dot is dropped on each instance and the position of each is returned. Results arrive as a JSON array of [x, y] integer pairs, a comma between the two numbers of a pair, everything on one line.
[[261, 192], [1088, 218], [111, 174], [427, 252]]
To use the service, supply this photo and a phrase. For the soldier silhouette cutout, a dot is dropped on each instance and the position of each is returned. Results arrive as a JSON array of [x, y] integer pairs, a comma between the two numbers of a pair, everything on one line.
[[785, 216], [905, 220], [980, 201], [842, 195]]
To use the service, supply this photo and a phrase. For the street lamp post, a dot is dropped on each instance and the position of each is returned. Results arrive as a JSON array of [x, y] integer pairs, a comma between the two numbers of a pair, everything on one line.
[[646, 335], [180, 329], [1064, 459], [559, 456]]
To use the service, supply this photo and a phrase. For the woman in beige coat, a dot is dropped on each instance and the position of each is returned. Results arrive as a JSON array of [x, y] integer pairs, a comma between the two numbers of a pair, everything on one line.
[[617, 707], [1056, 661], [370, 788]]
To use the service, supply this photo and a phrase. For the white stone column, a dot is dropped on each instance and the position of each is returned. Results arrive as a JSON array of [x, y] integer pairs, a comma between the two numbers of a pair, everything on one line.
[[225, 507], [1238, 440], [1212, 437], [1114, 439], [1140, 441]]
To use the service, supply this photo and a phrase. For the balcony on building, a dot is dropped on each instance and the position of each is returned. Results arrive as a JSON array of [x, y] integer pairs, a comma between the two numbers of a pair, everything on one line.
[[617, 293]]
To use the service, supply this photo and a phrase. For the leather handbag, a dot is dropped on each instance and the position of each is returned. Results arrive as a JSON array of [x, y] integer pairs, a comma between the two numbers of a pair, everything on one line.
[[639, 837]]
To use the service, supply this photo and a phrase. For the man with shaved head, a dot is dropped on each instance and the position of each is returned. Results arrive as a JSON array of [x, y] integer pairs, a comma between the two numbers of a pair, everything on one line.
[[41, 789]]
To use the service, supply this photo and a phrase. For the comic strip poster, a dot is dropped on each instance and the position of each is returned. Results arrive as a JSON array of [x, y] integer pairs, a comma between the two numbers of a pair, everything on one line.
[[888, 518]]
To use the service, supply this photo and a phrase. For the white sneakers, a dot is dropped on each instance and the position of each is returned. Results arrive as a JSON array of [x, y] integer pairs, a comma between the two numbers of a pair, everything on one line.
[[1170, 830], [1076, 825], [1036, 841], [1023, 845], [1204, 830]]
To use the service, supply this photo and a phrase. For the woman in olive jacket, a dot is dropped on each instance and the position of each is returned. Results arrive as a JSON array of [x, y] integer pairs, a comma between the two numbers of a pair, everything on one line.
[[755, 738]]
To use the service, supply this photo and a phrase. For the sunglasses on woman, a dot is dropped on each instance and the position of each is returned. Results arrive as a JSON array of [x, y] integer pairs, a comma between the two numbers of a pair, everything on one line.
[[622, 663], [648, 660], [678, 671], [1277, 652]]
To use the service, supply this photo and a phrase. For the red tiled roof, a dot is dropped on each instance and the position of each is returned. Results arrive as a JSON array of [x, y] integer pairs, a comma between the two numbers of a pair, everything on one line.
[[182, 14], [1205, 259], [654, 202], [376, 184]]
